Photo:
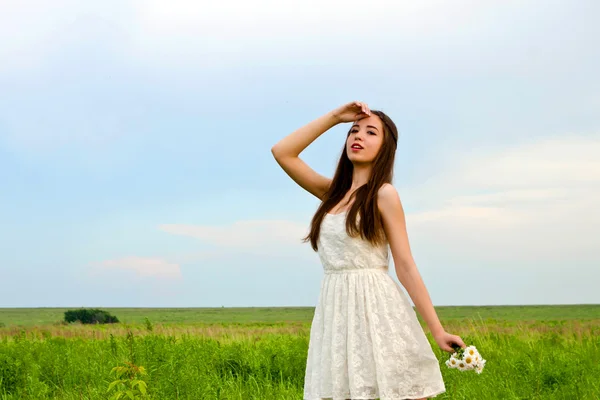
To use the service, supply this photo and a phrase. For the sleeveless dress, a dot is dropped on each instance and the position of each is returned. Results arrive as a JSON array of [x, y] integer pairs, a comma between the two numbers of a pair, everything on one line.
[[365, 339]]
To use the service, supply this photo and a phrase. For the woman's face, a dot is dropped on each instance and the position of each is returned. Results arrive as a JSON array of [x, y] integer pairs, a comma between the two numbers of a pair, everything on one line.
[[368, 134]]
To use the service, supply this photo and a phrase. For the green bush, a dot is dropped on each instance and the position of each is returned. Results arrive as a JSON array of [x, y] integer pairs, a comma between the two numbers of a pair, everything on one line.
[[90, 316]]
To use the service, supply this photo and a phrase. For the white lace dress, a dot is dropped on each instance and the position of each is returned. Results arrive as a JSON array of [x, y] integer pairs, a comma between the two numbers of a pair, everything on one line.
[[365, 340]]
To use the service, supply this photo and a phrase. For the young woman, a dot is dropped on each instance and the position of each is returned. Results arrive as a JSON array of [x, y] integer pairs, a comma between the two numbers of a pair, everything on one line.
[[365, 339]]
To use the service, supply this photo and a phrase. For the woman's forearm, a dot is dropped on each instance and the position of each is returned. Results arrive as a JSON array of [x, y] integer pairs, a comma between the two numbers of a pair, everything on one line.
[[411, 279], [294, 143]]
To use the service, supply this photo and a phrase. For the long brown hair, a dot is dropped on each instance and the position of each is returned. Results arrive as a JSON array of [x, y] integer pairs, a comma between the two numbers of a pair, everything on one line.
[[370, 226]]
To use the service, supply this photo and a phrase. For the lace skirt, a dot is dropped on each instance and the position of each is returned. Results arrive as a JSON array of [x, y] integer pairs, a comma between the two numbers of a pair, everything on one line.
[[366, 342]]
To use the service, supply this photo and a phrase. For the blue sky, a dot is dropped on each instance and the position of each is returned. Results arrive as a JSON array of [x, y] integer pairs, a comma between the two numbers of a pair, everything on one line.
[[135, 147]]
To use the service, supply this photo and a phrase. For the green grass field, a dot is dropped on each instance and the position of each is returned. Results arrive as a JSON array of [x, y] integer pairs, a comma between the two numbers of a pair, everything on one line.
[[532, 352]]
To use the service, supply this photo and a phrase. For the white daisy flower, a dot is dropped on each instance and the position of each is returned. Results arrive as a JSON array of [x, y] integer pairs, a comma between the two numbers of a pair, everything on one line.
[[452, 362], [479, 367], [469, 361], [472, 351]]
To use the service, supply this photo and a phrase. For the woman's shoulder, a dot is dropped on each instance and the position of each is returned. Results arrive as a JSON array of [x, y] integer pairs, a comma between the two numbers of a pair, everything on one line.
[[387, 197], [386, 191]]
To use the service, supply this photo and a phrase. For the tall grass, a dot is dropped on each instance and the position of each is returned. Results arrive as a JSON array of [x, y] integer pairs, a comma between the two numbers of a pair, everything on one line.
[[525, 360]]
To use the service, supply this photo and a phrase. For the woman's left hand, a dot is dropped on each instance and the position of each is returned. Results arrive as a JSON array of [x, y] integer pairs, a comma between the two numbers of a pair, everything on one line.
[[445, 340]]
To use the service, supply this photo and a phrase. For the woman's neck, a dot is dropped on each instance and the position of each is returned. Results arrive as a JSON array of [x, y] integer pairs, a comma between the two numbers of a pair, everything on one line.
[[360, 176]]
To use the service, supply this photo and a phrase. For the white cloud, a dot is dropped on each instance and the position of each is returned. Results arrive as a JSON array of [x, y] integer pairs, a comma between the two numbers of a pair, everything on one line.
[[182, 44], [161, 34], [258, 237], [462, 35], [558, 161], [61, 71], [232, 18], [142, 267], [32, 31], [536, 202]]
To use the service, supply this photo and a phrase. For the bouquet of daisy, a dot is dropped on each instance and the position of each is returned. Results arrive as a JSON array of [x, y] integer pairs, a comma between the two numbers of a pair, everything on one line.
[[466, 359]]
